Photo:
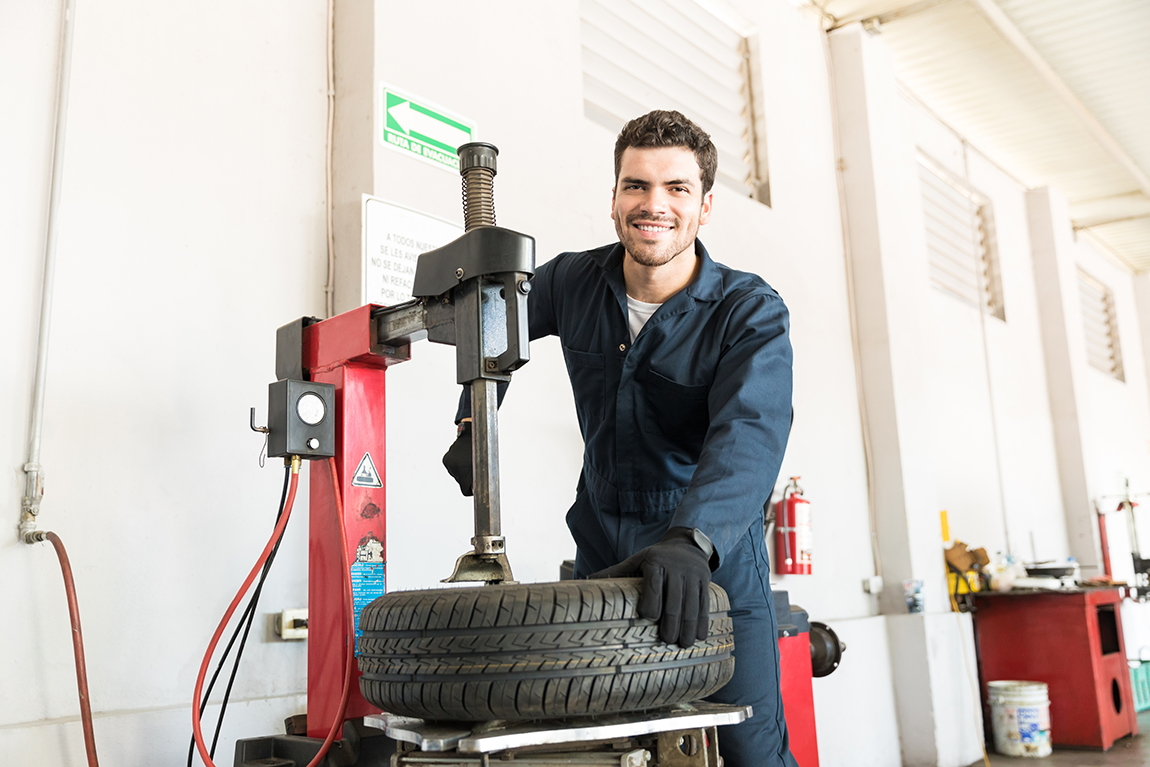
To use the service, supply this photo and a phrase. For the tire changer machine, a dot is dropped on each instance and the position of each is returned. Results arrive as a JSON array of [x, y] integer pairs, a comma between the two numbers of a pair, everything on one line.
[[328, 402]]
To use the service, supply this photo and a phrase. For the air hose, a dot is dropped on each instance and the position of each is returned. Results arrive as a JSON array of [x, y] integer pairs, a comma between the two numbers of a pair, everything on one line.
[[349, 659], [77, 643]]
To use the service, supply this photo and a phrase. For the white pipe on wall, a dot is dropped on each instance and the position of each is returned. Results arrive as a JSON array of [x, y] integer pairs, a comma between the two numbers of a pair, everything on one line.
[[33, 471]]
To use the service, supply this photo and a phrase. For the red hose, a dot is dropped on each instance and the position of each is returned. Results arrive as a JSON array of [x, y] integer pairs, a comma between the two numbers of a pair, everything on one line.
[[78, 648], [349, 663]]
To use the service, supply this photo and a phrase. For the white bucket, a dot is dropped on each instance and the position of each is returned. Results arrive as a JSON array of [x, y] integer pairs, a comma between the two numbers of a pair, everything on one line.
[[1020, 712]]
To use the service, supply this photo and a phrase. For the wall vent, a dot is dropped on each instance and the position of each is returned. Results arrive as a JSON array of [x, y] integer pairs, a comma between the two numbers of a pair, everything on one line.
[[694, 56], [960, 240], [1100, 322]]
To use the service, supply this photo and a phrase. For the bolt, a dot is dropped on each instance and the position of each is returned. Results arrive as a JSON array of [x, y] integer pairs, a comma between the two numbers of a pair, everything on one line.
[[490, 364], [459, 273], [638, 759], [524, 287]]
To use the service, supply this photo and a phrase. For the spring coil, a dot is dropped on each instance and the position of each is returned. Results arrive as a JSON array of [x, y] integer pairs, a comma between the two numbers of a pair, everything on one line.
[[478, 198]]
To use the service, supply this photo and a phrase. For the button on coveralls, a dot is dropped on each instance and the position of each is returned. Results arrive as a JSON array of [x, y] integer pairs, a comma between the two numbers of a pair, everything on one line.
[[686, 427]]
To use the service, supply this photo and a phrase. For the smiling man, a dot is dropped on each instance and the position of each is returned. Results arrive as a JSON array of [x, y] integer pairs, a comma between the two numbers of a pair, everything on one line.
[[681, 371]]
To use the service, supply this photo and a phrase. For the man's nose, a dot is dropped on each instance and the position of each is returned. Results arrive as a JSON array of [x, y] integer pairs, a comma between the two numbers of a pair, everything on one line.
[[655, 202]]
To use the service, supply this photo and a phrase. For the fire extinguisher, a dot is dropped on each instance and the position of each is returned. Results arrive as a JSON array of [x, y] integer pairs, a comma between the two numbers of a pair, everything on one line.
[[793, 544]]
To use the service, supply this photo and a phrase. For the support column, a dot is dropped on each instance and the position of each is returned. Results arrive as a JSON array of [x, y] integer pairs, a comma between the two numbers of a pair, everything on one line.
[[1064, 348], [933, 692]]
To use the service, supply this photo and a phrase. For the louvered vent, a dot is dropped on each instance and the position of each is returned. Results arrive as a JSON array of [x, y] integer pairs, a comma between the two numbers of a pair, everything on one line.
[[693, 56], [1101, 325], [960, 239]]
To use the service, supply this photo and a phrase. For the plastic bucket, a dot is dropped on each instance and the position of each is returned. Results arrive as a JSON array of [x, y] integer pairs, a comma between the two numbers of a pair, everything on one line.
[[1020, 713]]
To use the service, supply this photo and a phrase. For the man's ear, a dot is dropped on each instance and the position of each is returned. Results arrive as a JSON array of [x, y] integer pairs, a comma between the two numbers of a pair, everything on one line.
[[612, 203], [705, 212]]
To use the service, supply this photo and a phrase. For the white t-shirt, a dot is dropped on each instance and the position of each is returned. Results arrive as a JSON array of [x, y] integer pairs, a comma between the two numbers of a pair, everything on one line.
[[638, 312]]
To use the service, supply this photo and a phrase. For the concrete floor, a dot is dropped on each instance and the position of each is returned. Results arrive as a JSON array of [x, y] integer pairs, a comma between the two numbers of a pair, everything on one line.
[[1133, 751]]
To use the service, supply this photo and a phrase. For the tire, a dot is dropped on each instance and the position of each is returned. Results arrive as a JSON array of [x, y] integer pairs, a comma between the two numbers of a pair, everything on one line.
[[532, 651]]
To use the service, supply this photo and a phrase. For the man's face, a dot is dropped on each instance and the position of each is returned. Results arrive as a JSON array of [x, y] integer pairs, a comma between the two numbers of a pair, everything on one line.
[[658, 203]]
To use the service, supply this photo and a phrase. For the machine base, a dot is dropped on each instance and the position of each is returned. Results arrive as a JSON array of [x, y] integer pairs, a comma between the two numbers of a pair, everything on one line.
[[679, 736], [363, 746]]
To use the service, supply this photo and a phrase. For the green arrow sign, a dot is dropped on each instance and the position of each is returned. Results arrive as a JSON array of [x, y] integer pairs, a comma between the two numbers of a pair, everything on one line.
[[414, 127]]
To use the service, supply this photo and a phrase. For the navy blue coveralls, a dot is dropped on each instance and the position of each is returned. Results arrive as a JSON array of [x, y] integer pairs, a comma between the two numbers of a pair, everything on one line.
[[684, 428]]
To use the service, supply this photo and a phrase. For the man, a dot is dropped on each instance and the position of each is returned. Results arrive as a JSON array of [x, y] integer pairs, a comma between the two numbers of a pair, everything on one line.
[[681, 371]]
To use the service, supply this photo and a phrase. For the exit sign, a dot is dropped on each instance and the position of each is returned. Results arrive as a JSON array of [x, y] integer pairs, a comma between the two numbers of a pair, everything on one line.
[[416, 127]]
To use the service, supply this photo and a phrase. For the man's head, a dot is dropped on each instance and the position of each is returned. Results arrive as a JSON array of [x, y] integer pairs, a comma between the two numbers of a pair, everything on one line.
[[663, 128], [664, 166]]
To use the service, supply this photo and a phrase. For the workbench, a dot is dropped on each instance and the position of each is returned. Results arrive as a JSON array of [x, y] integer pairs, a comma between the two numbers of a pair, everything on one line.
[[1071, 639]]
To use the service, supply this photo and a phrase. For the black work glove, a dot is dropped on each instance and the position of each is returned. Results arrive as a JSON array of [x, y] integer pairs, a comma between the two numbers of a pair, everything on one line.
[[676, 585], [457, 460]]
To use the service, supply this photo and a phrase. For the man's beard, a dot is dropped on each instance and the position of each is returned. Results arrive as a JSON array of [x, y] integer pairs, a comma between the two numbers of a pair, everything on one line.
[[654, 253]]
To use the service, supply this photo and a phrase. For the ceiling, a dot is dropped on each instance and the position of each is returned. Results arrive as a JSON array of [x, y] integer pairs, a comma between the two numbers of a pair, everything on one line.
[[1056, 92]]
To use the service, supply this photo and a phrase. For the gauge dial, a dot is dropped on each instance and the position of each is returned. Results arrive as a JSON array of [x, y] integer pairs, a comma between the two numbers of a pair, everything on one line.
[[310, 408]]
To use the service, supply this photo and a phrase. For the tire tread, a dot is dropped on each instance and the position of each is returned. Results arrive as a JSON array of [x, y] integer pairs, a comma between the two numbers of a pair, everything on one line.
[[434, 654]]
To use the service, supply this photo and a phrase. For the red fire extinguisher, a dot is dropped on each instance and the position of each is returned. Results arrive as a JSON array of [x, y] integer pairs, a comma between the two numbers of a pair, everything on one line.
[[793, 544]]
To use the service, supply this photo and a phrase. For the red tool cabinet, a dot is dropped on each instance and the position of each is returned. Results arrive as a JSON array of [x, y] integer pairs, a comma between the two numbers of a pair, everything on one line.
[[1072, 641]]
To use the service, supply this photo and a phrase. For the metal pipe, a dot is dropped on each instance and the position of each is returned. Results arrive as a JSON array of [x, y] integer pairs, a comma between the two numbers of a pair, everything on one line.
[[329, 288], [477, 166], [485, 455], [33, 473]]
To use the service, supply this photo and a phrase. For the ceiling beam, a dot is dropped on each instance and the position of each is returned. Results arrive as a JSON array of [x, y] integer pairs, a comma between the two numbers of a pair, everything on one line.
[[874, 21], [1013, 36], [1091, 223]]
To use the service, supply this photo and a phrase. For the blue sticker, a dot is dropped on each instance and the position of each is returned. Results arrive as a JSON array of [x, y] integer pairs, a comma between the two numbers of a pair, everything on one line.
[[368, 583], [1028, 725]]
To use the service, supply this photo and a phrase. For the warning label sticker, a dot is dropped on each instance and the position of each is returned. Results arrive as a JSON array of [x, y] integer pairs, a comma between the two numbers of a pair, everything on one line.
[[365, 474], [368, 583]]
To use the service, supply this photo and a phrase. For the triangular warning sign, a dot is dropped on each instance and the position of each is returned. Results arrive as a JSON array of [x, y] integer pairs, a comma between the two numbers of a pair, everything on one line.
[[365, 474]]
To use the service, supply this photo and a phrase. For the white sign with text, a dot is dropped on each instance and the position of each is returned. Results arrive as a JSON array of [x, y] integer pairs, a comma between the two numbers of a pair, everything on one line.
[[393, 238]]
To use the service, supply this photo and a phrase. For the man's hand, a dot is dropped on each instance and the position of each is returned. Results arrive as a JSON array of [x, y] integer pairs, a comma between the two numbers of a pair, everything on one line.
[[676, 586], [457, 460]]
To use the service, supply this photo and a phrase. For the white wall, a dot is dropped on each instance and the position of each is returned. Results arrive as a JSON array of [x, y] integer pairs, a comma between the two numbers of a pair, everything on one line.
[[191, 226], [1100, 422], [1117, 418], [1120, 410], [995, 466]]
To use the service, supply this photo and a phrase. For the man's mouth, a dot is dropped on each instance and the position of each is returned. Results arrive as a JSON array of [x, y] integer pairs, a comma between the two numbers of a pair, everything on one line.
[[652, 228]]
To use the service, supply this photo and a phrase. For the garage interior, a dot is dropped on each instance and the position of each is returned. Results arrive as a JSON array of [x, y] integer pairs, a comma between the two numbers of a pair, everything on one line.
[[952, 197]]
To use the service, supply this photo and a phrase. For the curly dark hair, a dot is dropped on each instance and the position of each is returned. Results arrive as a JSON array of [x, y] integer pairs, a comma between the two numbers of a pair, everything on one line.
[[669, 128]]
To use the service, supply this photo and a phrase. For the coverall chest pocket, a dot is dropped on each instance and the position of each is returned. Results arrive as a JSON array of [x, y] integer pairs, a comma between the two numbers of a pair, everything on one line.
[[677, 411], [588, 382]]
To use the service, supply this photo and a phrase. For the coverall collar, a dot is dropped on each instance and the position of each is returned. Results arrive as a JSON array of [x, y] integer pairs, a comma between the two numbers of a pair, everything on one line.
[[707, 285]]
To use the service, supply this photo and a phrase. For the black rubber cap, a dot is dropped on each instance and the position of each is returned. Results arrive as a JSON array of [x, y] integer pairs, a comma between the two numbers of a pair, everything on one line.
[[477, 155]]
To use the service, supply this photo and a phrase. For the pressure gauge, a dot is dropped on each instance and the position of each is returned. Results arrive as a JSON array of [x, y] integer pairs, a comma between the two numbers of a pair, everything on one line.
[[310, 408], [301, 419]]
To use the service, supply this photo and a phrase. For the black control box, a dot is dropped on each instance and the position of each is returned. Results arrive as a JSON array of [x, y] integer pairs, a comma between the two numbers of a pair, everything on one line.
[[301, 419]]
